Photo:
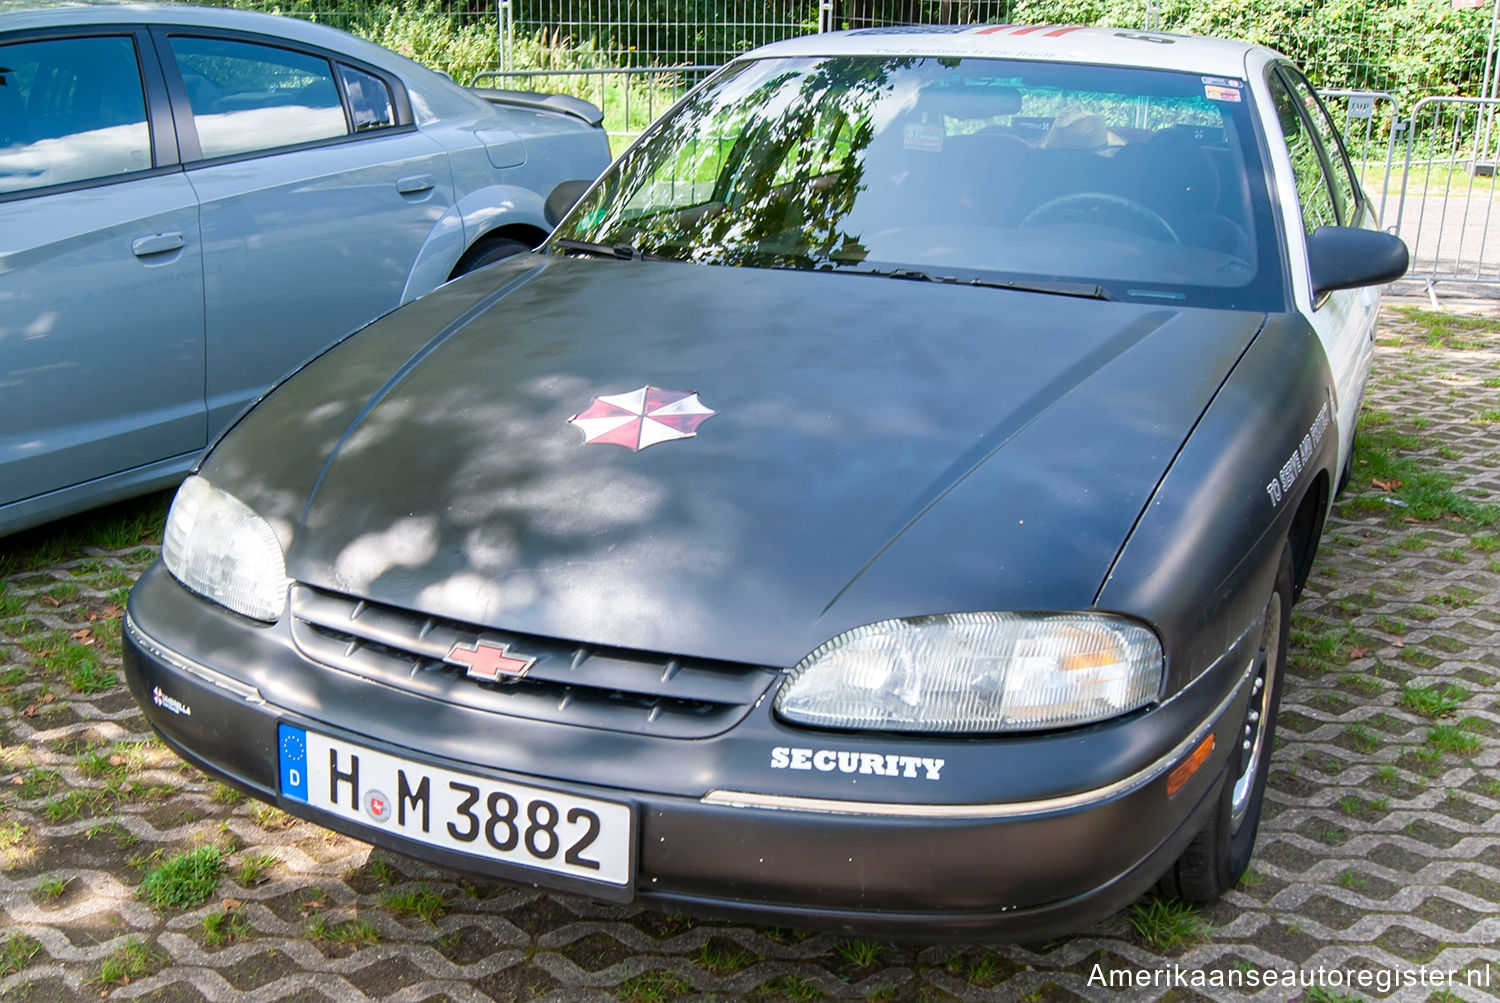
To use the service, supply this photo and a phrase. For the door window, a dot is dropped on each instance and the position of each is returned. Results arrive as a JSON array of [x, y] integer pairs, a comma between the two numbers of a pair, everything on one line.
[[1345, 189], [71, 109], [369, 99], [247, 97], [1315, 193]]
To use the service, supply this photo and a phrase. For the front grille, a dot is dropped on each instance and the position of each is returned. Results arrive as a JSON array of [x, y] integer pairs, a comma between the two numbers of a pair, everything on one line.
[[595, 687]]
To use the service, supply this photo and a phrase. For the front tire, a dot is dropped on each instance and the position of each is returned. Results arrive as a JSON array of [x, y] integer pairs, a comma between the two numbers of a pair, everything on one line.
[[489, 252], [1220, 853]]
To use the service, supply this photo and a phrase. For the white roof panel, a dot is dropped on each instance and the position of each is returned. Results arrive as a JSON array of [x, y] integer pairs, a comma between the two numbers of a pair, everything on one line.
[[1053, 43]]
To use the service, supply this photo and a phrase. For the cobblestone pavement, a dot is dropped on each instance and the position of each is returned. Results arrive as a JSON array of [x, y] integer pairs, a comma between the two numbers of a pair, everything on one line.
[[1380, 849]]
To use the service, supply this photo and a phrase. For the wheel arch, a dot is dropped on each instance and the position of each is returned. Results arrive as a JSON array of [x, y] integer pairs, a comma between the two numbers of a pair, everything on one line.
[[527, 233], [1306, 530]]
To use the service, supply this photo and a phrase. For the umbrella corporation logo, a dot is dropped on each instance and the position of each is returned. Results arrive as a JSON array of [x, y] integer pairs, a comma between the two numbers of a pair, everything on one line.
[[171, 704], [641, 418]]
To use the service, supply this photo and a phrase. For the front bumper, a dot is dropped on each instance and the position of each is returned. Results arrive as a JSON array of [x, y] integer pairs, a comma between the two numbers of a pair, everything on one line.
[[1018, 838]]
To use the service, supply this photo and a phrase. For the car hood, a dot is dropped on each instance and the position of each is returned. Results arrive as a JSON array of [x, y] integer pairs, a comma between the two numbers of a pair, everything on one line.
[[879, 448]]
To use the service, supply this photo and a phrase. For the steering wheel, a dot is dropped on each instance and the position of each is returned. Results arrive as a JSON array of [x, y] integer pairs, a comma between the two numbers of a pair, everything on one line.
[[1104, 209]]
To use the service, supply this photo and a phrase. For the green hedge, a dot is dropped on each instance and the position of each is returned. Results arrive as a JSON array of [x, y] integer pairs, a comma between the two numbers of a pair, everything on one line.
[[1411, 48]]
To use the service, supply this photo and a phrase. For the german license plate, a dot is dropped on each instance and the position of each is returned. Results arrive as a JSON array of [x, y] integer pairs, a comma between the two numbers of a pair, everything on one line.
[[480, 816]]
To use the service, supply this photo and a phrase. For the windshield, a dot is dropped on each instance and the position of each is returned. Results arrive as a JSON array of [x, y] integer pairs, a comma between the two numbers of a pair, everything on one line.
[[1144, 183]]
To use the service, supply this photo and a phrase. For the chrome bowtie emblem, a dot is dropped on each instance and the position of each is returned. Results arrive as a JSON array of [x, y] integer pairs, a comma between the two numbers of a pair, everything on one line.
[[642, 418]]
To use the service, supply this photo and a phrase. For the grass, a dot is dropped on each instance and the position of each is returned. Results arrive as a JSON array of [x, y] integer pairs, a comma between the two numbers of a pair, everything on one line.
[[16, 952], [37, 782], [1426, 493], [791, 987], [1436, 700], [1448, 330], [423, 902], [219, 928], [184, 880], [270, 817], [1164, 923], [53, 887], [652, 987], [1317, 994], [113, 528], [1447, 738], [381, 871], [224, 794], [1364, 739], [861, 953], [253, 868], [354, 932], [722, 956], [131, 960]]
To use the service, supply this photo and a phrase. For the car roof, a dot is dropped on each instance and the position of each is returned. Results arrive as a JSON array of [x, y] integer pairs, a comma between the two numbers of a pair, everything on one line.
[[19, 15], [1047, 42], [433, 95]]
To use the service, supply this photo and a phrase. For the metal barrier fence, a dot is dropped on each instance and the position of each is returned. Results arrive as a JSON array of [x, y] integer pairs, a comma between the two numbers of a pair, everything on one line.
[[1447, 211], [1371, 124], [631, 97]]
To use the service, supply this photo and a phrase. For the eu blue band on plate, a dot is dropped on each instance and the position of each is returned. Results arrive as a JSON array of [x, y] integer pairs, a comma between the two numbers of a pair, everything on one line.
[[293, 762]]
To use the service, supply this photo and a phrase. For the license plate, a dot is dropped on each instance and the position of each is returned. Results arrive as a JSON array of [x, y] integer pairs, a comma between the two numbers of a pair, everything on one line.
[[480, 816]]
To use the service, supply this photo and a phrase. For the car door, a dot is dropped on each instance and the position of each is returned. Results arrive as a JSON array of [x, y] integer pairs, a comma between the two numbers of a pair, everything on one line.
[[101, 299], [1328, 196], [316, 194]]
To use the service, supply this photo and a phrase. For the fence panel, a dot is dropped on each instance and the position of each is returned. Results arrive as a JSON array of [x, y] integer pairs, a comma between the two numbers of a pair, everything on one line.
[[1447, 212], [593, 34], [1370, 122], [631, 97]]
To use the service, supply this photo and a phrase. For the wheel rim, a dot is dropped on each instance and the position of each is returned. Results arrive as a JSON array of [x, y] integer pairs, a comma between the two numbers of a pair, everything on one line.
[[1253, 739]]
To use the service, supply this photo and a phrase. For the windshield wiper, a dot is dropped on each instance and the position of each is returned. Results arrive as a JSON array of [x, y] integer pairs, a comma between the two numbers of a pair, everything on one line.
[[624, 252], [1079, 289], [621, 251]]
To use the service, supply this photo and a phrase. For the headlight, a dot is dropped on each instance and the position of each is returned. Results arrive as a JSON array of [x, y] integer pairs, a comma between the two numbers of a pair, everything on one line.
[[976, 672], [223, 551]]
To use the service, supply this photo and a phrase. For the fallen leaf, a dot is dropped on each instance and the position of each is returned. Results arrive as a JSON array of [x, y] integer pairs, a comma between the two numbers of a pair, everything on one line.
[[1359, 652], [1386, 486], [230, 905], [30, 710], [17, 780], [82, 634], [48, 697], [1398, 644], [50, 601], [126, 787], [117, 760]]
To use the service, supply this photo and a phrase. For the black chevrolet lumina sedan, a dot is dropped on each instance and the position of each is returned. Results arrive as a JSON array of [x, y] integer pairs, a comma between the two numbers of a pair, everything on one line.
[[878, 506]]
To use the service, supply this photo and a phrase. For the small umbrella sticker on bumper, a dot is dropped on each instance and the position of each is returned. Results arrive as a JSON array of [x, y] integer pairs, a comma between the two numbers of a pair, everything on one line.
[[642, 418]]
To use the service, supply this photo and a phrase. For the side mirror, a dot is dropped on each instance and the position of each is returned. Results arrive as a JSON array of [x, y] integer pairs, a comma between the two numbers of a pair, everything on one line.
[[1344, 257], [563, 197]]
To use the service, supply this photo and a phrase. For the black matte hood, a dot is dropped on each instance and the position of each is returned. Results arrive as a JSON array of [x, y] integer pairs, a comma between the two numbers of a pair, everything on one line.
[[880, 448]]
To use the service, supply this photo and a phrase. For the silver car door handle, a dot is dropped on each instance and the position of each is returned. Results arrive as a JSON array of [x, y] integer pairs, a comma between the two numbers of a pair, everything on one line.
[[414, 183], [156, 243]]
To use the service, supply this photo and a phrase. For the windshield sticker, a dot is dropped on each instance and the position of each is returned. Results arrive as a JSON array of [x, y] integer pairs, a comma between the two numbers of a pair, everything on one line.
[[1278, 486], [1216, 93], [923, 136], [1222, 82], [878, 764]]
